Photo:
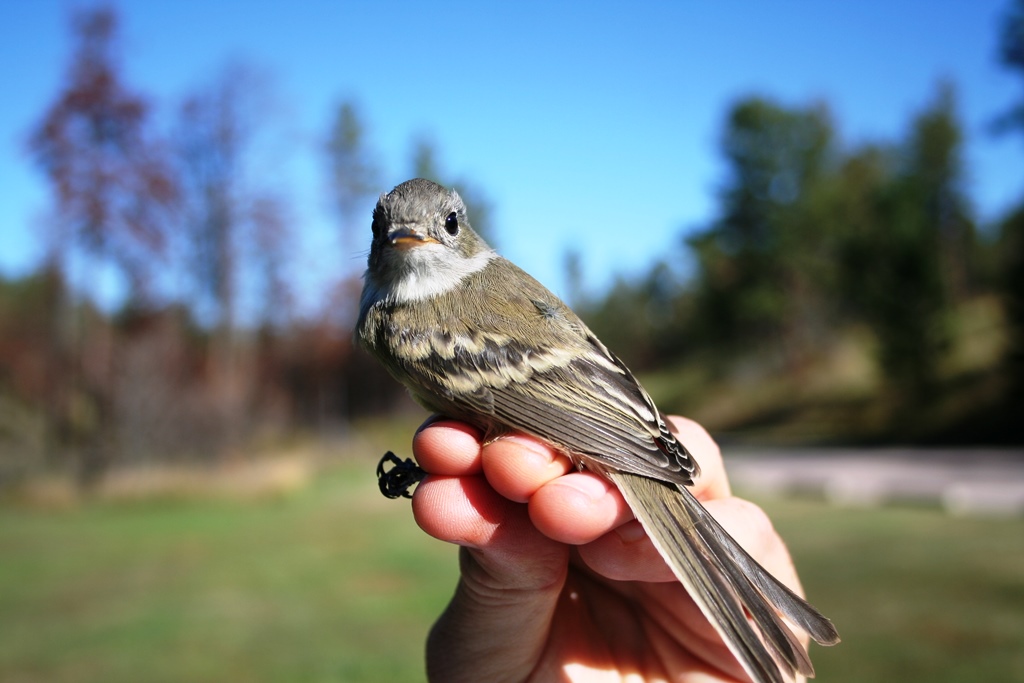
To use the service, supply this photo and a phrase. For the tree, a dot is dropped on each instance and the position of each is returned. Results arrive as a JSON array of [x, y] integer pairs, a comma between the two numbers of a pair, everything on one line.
[[936, 168], [760, 262], [111, 177], [909, 241], [1011, 54], [235, 235], [115, 192], [1012, 230], [353, 183], [353, 176], [1011, 245]]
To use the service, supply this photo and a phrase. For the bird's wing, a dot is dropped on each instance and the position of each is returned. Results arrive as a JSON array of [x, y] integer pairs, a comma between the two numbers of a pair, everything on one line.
[[592, 406], [550, 377]]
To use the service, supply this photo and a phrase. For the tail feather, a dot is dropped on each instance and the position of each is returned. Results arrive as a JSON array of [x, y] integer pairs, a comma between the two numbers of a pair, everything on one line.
[[724, 581], [776, 635], [774, 592]]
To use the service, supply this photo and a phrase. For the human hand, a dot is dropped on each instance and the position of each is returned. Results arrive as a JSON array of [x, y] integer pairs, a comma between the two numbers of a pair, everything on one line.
[[558, 581]]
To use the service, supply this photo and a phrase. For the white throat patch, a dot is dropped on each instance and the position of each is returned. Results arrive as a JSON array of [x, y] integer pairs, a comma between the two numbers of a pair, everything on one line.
[[429, 270]]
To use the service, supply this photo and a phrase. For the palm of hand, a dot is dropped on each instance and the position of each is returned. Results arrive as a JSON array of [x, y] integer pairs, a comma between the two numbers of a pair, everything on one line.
[[557, 582]]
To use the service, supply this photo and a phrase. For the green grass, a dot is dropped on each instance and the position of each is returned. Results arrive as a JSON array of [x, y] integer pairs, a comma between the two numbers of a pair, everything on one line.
[[333, 584], [337, 584], [917, 595]]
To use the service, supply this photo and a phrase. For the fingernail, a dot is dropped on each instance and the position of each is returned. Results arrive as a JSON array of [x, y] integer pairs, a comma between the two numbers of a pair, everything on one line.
[[532, 445], [441, 420], [592, 487]]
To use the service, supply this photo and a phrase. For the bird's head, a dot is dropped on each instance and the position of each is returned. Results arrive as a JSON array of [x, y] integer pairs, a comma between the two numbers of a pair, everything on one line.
[[422, 242]]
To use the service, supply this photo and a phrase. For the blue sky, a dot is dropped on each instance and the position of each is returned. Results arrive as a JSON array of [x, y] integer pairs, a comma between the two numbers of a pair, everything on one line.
[[591, 126]]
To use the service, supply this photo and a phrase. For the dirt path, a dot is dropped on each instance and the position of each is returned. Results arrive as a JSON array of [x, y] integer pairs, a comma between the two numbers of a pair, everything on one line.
[[964, 481]]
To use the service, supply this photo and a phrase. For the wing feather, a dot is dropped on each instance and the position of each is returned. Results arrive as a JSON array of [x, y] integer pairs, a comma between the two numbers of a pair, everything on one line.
[[526, 363]]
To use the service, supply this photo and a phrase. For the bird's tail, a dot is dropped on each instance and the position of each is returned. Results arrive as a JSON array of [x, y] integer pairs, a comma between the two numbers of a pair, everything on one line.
[[727, 584]]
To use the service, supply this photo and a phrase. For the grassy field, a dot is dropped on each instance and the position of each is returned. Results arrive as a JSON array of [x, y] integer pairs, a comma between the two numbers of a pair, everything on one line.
[[916, 594], [335, 583]]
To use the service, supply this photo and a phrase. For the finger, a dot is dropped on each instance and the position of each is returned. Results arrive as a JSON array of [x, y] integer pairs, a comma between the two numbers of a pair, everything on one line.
[[626, 554], [468, 512], [463, 510], [712, 481], [578, 508], [446, 447], [517, 466]]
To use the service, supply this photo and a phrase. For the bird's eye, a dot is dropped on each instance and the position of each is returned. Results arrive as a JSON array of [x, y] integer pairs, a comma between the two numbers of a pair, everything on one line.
[[451, 224]]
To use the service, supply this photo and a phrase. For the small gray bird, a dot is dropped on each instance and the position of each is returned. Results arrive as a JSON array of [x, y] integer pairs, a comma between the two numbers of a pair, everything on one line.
[[475, 338]]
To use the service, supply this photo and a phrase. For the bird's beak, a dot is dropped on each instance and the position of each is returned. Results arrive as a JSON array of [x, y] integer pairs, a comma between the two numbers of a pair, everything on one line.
[[404, 237]]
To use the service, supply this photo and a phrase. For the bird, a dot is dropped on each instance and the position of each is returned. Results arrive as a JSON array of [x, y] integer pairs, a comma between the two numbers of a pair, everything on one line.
[[475, 338]]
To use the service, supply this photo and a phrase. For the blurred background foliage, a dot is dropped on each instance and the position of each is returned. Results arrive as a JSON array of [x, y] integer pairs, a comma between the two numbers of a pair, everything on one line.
[[840, 294]]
